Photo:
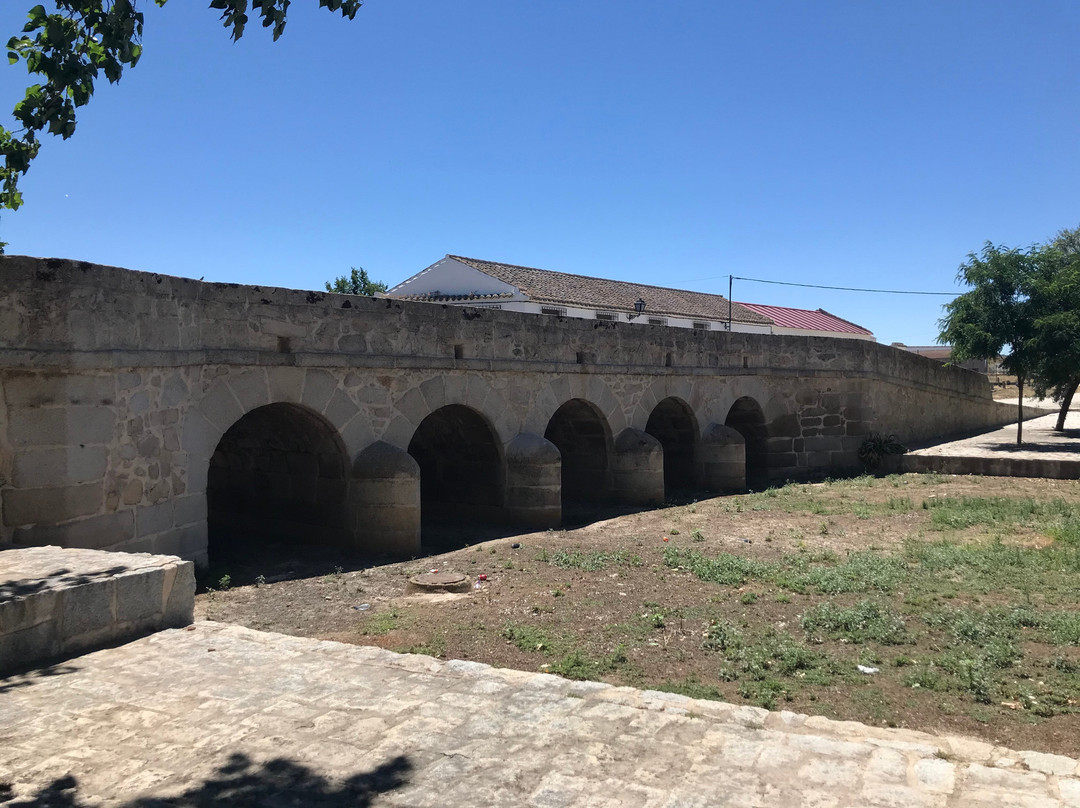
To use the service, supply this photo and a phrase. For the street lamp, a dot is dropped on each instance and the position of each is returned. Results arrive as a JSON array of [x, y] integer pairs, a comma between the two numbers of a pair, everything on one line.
[[639, 307]]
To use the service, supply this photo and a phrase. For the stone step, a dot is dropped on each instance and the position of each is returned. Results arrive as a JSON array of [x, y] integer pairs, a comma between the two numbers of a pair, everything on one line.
[[56, 603]]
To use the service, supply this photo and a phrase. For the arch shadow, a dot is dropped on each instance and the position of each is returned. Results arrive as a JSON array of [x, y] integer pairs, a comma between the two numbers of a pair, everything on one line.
[[277, 481], [748, 419], [672, 422], [583, 437], [462, 488]]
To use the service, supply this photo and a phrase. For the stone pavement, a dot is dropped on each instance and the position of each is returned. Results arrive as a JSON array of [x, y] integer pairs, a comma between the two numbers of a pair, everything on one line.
[[219, 714], [1041, 441]]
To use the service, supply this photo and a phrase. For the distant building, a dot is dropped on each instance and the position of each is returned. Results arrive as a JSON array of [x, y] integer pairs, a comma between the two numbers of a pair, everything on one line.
[[809, 322], [943, 354], [456, 280]]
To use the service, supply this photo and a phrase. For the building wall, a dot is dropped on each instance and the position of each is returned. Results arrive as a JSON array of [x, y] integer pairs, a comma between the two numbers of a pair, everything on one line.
[[116, 388]]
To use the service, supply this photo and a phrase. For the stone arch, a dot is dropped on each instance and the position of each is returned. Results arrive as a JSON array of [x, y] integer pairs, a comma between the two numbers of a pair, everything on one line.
[[672, 422], [461, 466], [468, 390], [694, 393], [565, 388], [581, 433], [279, 473], [730, 390], [748, 419], [230, 397]]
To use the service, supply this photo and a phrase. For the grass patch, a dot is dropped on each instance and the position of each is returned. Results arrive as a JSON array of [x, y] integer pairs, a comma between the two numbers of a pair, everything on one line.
[[381, 623], [958, 513], [579, 665], [866, 621], [590, 562], [863, 571]]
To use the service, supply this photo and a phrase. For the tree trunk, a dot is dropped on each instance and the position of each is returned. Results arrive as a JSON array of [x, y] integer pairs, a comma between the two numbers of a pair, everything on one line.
[[1019, 410], [1066, 402]]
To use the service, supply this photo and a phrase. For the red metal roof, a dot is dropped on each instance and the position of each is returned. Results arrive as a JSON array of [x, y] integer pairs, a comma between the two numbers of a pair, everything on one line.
[[808, 319]]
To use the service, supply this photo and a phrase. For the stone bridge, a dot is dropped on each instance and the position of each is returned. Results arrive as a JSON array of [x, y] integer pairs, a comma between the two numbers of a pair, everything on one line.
[[140, 412]]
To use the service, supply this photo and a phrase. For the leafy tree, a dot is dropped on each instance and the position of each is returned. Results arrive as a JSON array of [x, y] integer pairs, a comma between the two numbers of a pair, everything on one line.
[[83, 39], [356, 283], [1056, 301], [997, 313]]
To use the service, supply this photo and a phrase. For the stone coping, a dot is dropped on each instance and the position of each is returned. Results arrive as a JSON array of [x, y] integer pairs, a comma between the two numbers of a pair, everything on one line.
[[56, 602]]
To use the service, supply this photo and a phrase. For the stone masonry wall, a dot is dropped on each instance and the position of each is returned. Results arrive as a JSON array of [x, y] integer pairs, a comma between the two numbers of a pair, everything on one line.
[[116, 387]]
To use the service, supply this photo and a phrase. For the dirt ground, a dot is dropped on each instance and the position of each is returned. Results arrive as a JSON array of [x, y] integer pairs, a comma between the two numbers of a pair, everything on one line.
[[606, 601]]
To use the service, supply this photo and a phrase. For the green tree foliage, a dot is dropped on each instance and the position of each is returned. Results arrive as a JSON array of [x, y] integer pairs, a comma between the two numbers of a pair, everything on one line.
[[68, 50], [997, 314], [1056, 299], [1025, 302], [356, 282]]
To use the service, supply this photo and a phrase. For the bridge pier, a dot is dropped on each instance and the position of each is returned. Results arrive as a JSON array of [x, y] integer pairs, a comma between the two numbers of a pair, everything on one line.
[[384, 501], [637, 469], [722, 454], [533, 482]]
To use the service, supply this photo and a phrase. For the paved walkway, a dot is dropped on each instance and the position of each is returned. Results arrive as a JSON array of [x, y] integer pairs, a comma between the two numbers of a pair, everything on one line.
[[222, 715], [1041, 441]]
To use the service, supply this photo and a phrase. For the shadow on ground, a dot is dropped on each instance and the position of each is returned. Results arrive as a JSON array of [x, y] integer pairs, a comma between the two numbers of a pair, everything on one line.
[[31, 677], [241, 782]]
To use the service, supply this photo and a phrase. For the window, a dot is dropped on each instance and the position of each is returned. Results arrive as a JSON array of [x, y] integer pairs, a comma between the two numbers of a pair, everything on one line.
[[657, 321], [556, 310], [605, 315], [701, 326]]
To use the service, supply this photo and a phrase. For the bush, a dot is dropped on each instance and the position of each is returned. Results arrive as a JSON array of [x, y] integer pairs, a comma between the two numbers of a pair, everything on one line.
[[874, 449]]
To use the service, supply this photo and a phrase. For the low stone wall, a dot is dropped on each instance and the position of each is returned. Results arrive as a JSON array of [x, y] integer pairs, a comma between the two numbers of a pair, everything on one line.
[[56, 602], [1045, 468]]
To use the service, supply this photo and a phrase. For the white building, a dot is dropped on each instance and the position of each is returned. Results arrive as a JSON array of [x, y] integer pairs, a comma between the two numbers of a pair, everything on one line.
[[461, 281]]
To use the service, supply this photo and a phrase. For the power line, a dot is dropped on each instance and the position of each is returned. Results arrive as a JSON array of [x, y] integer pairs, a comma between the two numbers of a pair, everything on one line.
[[842, 288]]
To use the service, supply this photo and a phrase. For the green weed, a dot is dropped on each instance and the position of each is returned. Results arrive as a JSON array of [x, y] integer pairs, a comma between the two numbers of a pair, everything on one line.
[[864, 622]]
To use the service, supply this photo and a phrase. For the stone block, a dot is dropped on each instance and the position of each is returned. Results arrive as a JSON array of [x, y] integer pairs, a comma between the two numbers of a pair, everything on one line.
[[319, 386], [39, 390], [27, 506], [21, 611], [139, 595], [22, 648], [178, 595], [41, 468], [285, 383], [86, 608], [61, 426], [199, 437], [96, 532], [250, 389], [220, 407], [192, 508], [153, 518]]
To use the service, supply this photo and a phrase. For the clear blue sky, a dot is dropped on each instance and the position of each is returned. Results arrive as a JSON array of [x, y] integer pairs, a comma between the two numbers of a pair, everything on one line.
[[848, 143]]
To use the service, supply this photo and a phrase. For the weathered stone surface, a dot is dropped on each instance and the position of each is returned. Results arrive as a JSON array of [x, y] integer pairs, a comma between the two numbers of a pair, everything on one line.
[[417, 731], [55, 602], [125, 383]]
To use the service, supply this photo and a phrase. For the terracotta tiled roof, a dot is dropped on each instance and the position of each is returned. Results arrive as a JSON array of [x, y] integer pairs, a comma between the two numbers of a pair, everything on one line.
[[809, 319], [436, 297], [561, 288]]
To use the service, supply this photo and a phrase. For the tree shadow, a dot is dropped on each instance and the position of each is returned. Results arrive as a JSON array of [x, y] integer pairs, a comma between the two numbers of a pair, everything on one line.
[[31, 677], [16, 588], [241, 782]]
